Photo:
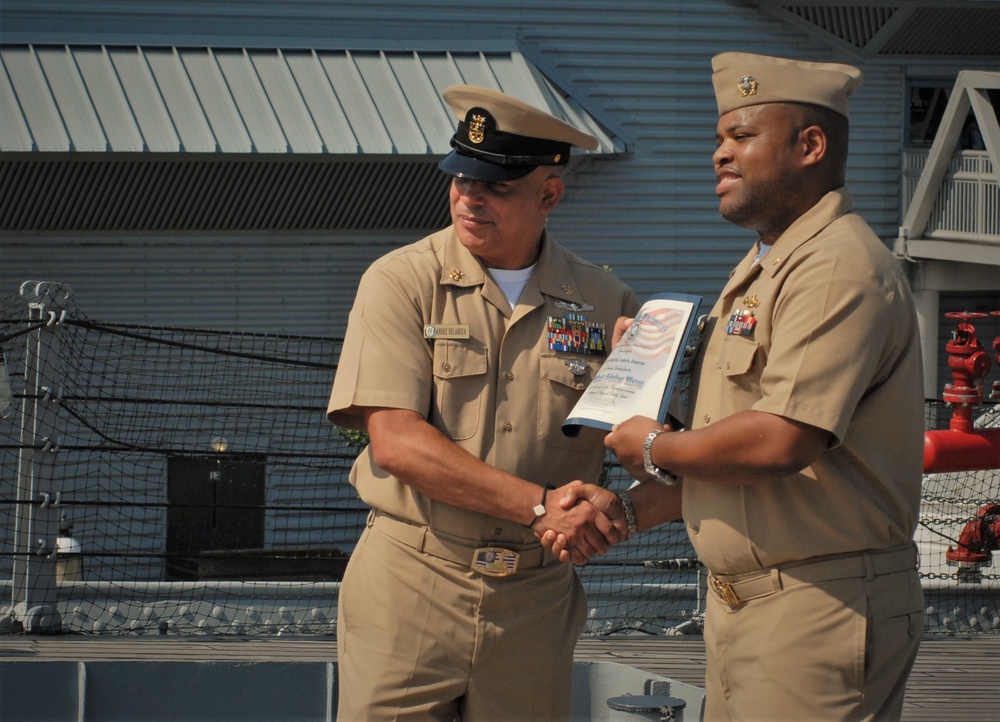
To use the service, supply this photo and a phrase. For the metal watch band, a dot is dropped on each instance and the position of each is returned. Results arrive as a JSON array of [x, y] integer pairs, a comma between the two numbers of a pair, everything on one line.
[[626, 499], [661, 475]]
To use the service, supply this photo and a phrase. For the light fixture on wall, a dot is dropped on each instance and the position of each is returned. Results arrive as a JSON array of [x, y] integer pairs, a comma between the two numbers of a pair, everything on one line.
[[219, 444]]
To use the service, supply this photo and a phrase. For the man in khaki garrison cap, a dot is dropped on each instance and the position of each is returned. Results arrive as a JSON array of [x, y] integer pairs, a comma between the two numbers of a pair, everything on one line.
[[464, 354], [800, 467]]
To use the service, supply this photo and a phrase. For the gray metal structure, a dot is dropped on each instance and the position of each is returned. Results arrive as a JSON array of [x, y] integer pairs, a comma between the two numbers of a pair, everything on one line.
[[237, 165]]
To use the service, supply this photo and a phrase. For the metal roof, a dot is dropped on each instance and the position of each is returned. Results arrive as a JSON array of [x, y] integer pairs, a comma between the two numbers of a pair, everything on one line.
[[899, 28], [116, 99]]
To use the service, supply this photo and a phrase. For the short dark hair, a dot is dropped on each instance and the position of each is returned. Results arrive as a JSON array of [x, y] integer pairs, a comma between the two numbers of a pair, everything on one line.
[[835, 125]]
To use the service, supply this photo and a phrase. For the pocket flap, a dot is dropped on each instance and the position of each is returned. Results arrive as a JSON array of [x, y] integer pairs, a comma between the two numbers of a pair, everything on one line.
[[559, 369], [738, 355], [455, 359]]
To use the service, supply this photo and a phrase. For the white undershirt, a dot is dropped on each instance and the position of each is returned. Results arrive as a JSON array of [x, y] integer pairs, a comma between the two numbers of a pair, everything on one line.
[[512, 282], [762, 250]]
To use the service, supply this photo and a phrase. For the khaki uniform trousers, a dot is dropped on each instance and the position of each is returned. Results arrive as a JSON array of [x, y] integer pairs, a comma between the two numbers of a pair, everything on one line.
[[420, 637], [828, 640]]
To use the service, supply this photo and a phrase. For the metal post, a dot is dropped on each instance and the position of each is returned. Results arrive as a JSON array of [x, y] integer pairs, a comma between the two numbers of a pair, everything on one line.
[[928, 322], [38, 489]]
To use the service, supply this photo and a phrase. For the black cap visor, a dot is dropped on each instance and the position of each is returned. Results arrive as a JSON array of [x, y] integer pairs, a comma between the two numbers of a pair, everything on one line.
[[462, 165]]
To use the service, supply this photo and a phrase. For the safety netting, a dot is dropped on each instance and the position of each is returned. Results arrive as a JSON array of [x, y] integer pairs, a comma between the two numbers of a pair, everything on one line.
[[161, 480]]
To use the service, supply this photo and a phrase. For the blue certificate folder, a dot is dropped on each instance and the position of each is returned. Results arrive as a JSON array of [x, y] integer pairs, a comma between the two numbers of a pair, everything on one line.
[[639, 374]]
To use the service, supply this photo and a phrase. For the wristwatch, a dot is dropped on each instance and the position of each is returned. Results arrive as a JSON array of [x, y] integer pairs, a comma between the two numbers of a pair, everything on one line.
[[630, 522], [661, 475]]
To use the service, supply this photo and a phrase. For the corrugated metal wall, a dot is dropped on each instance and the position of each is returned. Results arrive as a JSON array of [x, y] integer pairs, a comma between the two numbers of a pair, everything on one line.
[[298, 284], [640, 67]]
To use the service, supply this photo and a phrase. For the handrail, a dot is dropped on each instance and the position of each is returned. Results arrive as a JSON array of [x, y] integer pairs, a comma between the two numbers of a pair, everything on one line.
[[967, 205]]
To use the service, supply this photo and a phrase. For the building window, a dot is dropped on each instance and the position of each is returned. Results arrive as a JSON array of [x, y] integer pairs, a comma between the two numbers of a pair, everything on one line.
[[927, 101], [213, 504]]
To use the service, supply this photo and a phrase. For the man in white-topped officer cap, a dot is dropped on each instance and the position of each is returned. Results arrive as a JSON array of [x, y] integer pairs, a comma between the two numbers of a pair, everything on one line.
[[800, 468], [464, 353], [490, 143]]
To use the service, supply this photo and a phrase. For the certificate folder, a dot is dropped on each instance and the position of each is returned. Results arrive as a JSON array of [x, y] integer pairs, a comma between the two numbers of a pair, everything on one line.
[[638, 375]]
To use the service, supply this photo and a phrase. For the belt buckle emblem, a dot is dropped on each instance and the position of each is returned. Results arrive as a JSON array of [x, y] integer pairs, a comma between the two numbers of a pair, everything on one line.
[[495, 561], [725, 590]]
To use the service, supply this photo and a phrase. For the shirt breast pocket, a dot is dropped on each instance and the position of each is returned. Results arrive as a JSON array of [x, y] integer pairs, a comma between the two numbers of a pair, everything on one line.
[[737, 362], [459, 382], [559, 390]]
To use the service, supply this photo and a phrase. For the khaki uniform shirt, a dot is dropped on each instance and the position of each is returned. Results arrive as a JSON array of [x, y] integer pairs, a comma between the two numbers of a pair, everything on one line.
[[833, 342], [501, 394]]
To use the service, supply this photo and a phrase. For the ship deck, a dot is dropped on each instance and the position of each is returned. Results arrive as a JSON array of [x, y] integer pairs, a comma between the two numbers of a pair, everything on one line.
[[955, 679]]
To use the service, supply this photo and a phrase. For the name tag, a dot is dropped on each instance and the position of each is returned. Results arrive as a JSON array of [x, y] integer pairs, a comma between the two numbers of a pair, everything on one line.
[[445, 330]]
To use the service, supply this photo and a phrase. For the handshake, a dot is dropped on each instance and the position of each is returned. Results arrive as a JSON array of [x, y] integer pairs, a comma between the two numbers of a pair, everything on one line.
[[589, 519]]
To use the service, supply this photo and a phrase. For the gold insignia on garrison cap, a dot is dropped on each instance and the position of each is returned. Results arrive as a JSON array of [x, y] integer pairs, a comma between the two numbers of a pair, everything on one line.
[[747, 85]]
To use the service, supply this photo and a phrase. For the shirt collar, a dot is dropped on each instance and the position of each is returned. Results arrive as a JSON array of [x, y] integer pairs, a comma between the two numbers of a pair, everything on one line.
[[553, 276], [829, 208]]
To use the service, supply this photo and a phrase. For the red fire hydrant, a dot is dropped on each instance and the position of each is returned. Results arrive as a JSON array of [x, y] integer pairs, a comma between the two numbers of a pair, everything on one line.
[[995, 396], [963, 447], [977, 542], [968, 362]]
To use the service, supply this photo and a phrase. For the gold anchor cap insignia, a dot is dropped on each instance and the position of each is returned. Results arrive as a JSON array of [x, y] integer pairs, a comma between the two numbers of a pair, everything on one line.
[[747, 85]]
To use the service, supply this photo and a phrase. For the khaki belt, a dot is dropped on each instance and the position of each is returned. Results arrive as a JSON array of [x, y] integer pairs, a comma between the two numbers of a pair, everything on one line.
[[488, 559], [738, 589]]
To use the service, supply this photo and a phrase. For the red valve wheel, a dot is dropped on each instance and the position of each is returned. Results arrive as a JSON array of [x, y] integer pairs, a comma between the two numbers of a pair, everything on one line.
[[968, 315]]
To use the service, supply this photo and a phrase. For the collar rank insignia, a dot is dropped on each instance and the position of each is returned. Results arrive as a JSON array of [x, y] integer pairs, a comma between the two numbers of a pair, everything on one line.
[[575, 334], [456, 275]]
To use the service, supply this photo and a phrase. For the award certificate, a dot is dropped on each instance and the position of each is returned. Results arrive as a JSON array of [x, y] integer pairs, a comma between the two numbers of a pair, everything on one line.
[[638, 375]]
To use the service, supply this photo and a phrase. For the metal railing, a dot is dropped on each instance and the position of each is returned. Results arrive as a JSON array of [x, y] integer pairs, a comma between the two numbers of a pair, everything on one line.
[[967, 205]]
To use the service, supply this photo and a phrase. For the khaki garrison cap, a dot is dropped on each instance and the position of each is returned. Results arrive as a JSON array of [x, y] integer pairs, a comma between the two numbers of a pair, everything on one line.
[[500, 138], [743, 79]]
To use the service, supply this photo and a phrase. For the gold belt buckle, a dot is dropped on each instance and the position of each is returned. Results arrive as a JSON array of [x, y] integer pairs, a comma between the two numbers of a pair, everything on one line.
[[725, 590], [495, 561]]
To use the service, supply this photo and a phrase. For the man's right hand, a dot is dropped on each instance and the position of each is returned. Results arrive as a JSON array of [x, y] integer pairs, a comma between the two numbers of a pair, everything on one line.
[[586, 499], [584, 529]]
